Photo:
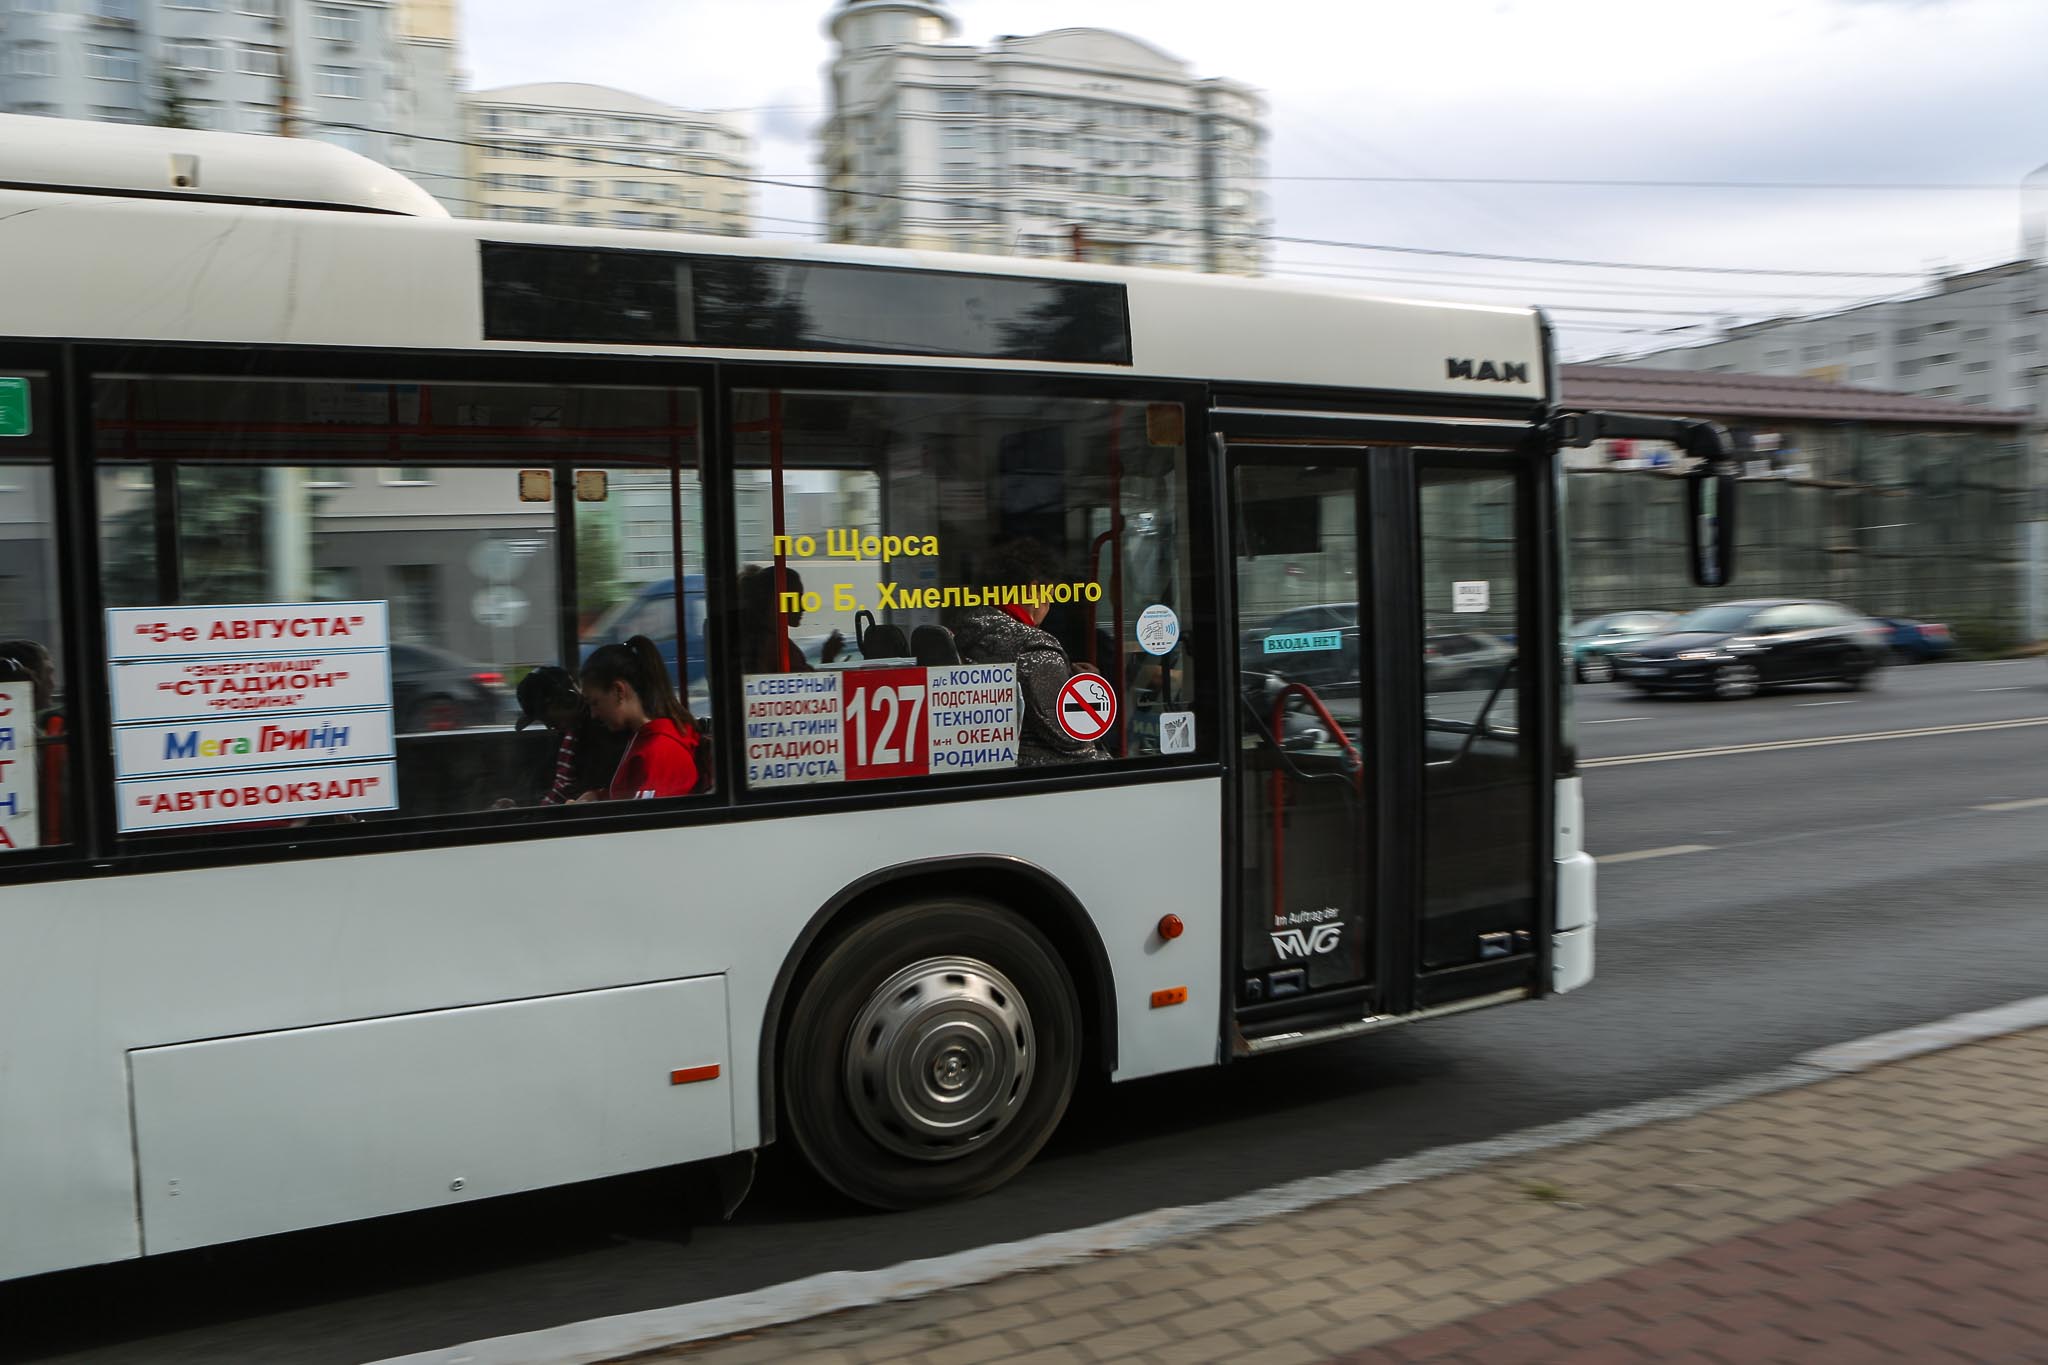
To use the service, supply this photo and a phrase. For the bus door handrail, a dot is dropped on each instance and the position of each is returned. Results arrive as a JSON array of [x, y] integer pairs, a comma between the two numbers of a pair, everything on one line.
[[1279, 780]]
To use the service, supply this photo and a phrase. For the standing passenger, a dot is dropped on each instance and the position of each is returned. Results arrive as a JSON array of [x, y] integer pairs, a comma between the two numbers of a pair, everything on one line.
[[764, 625], [628, 690], [1010, 634]]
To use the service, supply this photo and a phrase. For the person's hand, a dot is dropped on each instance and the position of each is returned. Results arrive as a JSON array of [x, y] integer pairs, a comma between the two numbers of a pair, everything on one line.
[[592, 795], [829, 651], [503, 803]]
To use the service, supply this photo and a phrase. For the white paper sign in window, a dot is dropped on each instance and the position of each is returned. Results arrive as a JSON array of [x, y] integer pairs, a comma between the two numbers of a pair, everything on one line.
[[1471, 597]]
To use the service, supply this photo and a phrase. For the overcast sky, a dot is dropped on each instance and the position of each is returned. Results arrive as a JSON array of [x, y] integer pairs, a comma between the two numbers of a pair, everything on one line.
[[1921, 91]]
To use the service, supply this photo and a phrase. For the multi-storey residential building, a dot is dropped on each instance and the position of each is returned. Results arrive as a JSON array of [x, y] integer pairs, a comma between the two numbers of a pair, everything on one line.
[[375, 76], [590, 155], [1975, 336], [1078, 138]]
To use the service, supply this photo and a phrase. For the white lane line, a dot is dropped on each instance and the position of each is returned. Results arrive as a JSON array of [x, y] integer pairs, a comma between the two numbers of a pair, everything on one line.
[[1844, 702], [1618, 720], [2034, 803], [1998, 689], [1818, 742], [1644, 854], [837, 1291]]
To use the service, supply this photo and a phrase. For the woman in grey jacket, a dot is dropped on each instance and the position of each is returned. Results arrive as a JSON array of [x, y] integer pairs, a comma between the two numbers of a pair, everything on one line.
[[1011, 634]]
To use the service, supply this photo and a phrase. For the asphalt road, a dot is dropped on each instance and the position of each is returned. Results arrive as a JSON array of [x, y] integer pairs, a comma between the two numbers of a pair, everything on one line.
[[1827, 891]]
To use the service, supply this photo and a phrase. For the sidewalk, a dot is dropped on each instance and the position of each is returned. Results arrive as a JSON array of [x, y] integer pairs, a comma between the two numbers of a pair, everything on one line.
[[1897, 1214]]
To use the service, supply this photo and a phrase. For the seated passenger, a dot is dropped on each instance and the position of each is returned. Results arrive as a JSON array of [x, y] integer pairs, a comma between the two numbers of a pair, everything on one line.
[[628, 690], [586, 753], [763, 627], [1011, 634]]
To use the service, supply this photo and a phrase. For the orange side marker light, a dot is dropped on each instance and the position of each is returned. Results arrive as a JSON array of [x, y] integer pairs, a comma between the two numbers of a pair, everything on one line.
[[1170, 927], [1175, 995], [693, 1073]]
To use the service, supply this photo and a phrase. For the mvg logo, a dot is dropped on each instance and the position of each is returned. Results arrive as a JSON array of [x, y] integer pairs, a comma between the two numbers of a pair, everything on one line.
[[1309, 942]]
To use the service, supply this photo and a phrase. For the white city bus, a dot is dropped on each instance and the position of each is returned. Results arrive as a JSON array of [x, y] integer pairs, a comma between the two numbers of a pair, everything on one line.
[[300, 477]]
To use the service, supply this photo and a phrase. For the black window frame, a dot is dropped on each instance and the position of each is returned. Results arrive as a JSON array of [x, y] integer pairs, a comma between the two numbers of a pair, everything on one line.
[[1202, 624], [72, 365]]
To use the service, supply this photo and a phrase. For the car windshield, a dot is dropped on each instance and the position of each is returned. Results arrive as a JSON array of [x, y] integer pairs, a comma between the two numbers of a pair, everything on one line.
[[1586, 629], [1714, 619]]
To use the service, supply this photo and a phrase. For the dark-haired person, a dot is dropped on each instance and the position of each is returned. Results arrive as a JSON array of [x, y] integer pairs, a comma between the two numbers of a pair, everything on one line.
[[764, 626], [1011, 634], [587, 753], [628, 690], [32, 664]]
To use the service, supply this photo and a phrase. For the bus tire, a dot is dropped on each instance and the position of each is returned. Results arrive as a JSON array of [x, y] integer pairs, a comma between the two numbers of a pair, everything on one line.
[[930, 1053]]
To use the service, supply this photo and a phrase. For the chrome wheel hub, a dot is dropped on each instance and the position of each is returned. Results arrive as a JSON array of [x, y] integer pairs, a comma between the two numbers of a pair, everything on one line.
[[1735, 680], [940, 1058]]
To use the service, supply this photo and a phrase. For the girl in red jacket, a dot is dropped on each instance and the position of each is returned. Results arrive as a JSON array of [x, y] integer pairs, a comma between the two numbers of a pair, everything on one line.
[[628, 690]]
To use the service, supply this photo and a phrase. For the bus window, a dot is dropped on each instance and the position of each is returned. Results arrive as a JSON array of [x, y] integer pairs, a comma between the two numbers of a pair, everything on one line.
[[447, 521], [34, 747], [896, 543]]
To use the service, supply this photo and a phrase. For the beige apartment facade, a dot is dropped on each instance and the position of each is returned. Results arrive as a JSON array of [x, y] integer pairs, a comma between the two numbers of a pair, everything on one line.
[[592, 156]]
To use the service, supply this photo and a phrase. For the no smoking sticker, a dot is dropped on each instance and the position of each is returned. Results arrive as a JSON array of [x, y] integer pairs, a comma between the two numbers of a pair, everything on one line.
[[1087, 706]]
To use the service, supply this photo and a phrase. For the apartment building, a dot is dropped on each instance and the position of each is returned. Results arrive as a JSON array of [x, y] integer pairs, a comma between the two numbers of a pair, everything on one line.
[[564, 152], [1079, 139]]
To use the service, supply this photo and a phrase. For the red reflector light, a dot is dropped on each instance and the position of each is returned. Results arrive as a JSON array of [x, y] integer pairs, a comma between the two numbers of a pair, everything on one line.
[[489, 679], [1938, 632], [1170, 927], [1176, 995], [693, 1073]]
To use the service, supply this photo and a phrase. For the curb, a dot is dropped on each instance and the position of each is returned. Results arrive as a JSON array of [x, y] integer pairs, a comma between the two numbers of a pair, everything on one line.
[[609, 1338]]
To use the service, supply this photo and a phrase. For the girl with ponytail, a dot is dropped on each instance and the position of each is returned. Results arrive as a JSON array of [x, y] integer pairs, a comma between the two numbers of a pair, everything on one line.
[[628, 690]]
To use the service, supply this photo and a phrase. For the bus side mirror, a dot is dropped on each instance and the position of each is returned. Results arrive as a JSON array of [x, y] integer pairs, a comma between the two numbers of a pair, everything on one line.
[[1710, 523]]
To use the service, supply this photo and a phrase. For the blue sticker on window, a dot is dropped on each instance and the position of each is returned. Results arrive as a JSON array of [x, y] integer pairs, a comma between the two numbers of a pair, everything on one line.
[[1304, 642]]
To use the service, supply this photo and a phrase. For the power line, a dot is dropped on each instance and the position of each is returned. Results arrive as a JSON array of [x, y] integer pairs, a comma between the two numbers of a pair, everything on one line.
[[1442, 252]]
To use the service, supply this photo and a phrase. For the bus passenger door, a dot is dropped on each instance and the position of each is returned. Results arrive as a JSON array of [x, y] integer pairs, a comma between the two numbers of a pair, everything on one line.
[[1481, 791], [1304, 765]]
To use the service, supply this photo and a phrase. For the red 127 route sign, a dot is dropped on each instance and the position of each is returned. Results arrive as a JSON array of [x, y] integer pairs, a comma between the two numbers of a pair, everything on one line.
[[1087, 706]]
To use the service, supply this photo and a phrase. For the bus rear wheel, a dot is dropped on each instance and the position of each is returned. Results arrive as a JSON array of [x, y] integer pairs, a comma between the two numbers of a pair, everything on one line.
[[931, 1053]]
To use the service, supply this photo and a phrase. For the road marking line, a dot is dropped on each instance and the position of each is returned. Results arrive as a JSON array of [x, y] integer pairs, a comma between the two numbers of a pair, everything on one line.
[[1844, 702], [1819, 741], [2034, 803], [1618, 720], [1643, 854], [1998, 689], [837, 1291]]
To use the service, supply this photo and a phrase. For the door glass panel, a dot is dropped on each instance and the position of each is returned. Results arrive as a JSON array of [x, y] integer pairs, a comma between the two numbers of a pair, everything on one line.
[[1305, 925], [1479, 811]]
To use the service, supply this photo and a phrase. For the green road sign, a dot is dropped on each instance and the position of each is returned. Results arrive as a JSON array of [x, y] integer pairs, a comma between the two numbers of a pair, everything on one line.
[[14, 407]]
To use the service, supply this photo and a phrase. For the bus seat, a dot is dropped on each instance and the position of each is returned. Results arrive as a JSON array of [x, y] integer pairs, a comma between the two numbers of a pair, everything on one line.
[[884, 642], [933, 646]]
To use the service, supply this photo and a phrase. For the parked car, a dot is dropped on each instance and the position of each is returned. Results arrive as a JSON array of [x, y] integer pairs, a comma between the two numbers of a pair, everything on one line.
[[1464, 661], [1310, 659], [1918, 642], [1736, 649], [1594, 642], [433, 690]]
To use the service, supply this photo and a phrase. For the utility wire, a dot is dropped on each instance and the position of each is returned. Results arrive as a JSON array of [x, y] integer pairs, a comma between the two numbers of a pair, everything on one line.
[[503, 148]]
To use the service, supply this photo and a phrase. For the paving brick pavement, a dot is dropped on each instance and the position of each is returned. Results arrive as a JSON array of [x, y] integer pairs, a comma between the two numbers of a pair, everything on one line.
[[1899, 1214]]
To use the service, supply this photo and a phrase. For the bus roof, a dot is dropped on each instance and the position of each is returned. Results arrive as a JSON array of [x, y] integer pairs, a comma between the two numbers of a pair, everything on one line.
[[133, 261], [183, 163]]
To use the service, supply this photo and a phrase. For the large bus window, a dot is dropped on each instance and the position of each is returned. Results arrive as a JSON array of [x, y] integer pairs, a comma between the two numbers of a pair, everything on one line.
[[943, 584], [34, 746], [469, 535]]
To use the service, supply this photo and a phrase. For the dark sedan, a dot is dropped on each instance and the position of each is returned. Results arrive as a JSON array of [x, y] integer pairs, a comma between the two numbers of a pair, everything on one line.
[[433, 691], [1738, 648]]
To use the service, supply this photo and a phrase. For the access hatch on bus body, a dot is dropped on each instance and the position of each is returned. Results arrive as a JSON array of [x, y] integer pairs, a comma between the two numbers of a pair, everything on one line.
[[1386, 796]]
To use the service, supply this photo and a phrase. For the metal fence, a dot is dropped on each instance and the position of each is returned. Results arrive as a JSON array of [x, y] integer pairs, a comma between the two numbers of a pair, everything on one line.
[[1927, 524]]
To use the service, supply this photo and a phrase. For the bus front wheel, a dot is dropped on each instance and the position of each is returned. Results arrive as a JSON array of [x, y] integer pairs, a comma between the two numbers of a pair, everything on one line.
[[931, 1053]]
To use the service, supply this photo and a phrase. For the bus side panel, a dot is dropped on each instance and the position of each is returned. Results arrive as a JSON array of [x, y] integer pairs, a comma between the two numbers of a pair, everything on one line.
[[93, 970]]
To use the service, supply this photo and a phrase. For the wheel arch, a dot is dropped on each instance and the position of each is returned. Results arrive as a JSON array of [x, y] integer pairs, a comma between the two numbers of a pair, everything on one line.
[[1016, 883]]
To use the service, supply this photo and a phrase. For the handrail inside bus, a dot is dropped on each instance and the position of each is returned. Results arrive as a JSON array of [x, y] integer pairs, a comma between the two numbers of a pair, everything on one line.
[[1353, 762]]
